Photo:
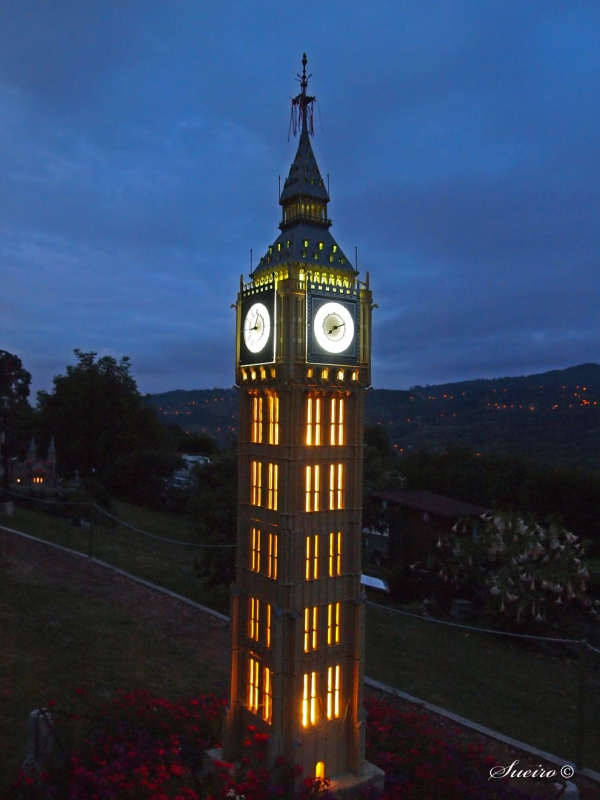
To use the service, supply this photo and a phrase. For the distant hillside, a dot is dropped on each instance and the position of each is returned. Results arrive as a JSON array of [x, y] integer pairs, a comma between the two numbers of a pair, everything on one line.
[[213, 411], [553, 417]]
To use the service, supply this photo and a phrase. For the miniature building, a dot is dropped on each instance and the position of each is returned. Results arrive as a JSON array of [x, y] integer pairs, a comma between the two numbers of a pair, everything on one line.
[[416, 520], [36, 471], [303, 362]]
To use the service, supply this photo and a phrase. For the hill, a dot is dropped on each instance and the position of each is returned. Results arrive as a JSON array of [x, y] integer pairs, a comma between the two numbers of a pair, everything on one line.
[[552, 418]]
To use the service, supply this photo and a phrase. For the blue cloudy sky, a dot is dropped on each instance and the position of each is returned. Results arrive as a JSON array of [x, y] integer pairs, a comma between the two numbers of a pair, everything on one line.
[[141, 140]]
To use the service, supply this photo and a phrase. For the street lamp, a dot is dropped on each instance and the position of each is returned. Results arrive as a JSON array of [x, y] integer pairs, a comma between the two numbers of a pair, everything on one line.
[[3, 439]]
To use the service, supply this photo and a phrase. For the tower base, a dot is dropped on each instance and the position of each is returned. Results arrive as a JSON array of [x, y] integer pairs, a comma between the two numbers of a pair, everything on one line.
[[347, 786], [344, 786]]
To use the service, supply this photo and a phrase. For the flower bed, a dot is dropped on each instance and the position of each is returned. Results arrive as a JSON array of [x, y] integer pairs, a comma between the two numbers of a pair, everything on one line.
[[139, 747]]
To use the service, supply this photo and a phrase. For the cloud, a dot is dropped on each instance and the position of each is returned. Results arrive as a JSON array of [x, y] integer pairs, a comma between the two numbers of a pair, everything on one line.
[[141, 146]]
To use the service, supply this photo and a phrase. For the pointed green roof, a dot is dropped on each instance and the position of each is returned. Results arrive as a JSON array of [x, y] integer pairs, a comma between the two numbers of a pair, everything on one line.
[[304, 179]]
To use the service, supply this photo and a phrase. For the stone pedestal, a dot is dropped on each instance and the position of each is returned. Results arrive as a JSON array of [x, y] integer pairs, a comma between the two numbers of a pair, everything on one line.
[[348, 786], [344, 786]]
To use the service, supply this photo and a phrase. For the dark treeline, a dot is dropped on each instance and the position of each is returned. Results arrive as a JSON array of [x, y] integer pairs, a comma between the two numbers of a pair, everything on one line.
[[118, 441], [551, 418], [506, 483], [509, 483]]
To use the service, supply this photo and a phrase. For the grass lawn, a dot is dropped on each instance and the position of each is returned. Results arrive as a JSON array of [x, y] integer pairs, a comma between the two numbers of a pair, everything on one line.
[[507, 686], [57, 637], [168, 565]]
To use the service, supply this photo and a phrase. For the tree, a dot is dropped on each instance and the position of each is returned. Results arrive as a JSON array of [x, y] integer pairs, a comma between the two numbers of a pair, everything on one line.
[[213, 514], [14, 384], [381, 473], [97, 415], [522, 569], [143, 477]]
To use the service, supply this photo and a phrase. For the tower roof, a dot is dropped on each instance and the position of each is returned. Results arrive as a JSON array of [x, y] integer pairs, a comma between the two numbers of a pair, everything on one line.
[[305, 236], [304, 179]]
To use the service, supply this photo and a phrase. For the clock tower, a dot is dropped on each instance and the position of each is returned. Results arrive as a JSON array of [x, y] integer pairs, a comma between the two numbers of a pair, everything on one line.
[[303, 361]]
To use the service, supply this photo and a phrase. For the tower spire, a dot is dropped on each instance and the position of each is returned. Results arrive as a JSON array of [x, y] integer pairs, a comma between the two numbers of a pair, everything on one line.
[[302, 105], [304, 226]]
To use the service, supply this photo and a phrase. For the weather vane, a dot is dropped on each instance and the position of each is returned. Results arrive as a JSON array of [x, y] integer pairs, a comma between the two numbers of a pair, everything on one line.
[[302, 113]]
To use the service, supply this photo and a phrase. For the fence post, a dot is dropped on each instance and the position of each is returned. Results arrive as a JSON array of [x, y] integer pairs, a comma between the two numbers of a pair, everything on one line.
[[90, 531], [583, 664]]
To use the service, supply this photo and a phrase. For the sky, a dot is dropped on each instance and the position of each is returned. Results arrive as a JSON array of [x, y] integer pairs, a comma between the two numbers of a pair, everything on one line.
[[141, 143]]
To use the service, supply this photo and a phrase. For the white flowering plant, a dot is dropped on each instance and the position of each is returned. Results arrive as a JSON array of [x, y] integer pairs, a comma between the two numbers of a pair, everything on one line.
[[526, 571]]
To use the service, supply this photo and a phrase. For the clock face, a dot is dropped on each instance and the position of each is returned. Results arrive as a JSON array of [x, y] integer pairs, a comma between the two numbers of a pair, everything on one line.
[[257, 327], [334, 327], [333, 324]]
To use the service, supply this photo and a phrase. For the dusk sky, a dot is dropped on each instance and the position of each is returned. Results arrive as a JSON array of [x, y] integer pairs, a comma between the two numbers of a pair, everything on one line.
[[140, 144]]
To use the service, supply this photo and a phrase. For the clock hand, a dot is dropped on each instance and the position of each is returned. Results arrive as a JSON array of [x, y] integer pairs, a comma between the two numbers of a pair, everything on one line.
[[335, 327]]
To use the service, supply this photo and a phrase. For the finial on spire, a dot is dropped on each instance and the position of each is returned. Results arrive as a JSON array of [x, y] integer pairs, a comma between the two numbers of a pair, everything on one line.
[[302, 78], [302, 105]]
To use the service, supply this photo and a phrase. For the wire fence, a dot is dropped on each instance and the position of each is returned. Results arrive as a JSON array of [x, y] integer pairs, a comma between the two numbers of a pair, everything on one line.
[[538, 689], [541, 690], [86, 527]]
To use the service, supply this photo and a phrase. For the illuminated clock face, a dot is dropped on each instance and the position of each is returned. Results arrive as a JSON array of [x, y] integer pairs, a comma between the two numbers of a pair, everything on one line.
[[257, 327], [334, 327]]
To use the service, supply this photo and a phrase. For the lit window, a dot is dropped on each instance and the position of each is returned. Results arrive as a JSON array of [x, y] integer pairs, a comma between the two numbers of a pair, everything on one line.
[[312, 557], [263, 374], [340, 374], [279, 246], [253, 618], [273, 372], [253, 668], [320, 245], [309, 372], [355, 375], [257, 415], [306, 240], [325, 374], [256, 483], [320, 770], [273, 419], [244, 375], [268, 625], [255, 550], [273, 476], [313, 420], [333, 623], [333, 692], [313, 488], [334, 248], [309, 699], [336, 487], [336, 494], [310, 628], [272, 557], [253, 374], [267, 695], [335, 554], [337, 421]]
